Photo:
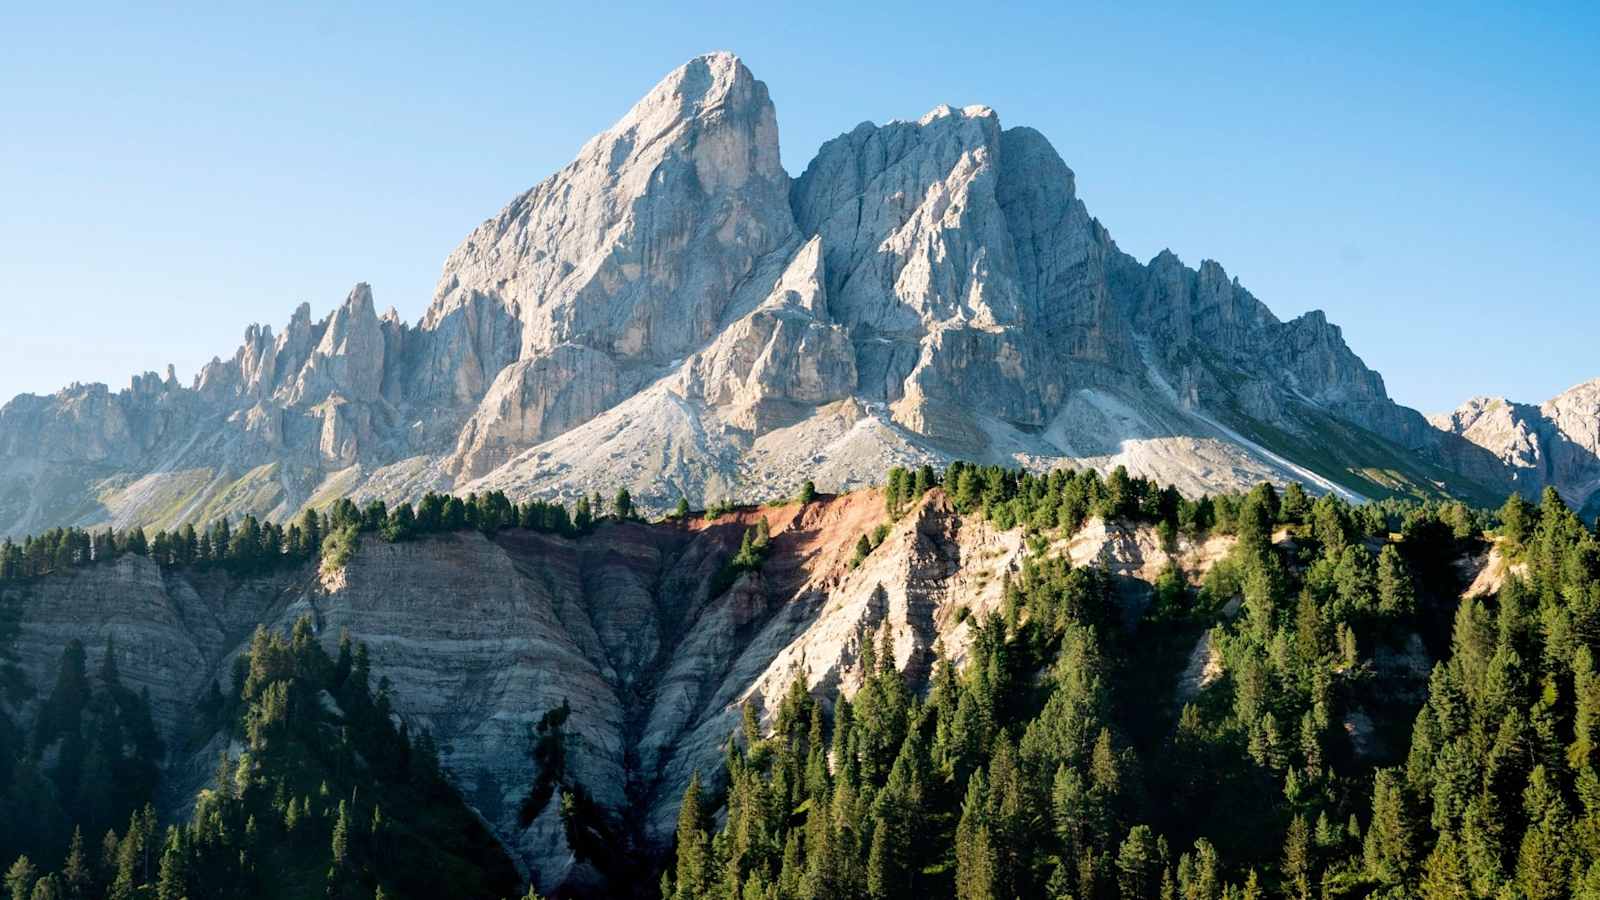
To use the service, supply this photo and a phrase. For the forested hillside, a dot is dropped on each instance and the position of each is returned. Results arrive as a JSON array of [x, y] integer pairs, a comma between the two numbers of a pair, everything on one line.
[[1320, 713], [317, 794], [1048, 768]]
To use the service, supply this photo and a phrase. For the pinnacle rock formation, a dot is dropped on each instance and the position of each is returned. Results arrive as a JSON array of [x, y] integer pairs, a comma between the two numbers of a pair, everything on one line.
[[673, 313]]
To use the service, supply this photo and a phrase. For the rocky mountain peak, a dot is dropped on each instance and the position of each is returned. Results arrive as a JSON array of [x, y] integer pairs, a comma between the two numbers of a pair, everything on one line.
[[671, 313], [349, 359], [706, 135], [1552, 444]]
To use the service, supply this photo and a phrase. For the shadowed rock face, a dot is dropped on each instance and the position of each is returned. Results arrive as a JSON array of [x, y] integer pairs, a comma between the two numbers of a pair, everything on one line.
[[671, 312], [481, 636]]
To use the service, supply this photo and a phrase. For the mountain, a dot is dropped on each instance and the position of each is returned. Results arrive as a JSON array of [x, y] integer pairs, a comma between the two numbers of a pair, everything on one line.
[[673, 313], [478, 637], [564, 687], [1555, 444]]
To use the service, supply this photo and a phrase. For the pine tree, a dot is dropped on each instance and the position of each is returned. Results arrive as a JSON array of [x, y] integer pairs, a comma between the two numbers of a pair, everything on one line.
[[1297, 857], [1396, 595], [341, 836], [975, 867], [1252, 886], [47, 888], [1139, 865], [694, 869], [20, 878], [75, 872], [863, 549], [1199, 875], [883, 877], [1444, 875], [1518, 518], [894, 491], [1544, 857], [1585, 748], [172, 880], [975, 855], [1296, 505], [1391, 843]]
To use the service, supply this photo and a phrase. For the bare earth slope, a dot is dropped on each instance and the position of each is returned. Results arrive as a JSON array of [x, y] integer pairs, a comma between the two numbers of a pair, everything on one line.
[[479, 637]]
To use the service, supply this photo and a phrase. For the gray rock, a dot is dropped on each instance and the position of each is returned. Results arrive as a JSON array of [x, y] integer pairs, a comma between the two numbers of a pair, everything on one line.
[[672, 313], [480, 637], [1555, 444]]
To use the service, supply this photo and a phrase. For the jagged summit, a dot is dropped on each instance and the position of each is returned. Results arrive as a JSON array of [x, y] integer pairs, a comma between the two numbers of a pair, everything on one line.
[[672, 313], [1552, 444]]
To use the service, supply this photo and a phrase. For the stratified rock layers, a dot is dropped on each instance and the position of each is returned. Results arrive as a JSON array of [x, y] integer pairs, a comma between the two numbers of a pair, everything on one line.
[[479, 637]]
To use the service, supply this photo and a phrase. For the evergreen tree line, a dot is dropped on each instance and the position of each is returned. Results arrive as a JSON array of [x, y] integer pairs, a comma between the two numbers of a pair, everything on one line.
[[1019, 776], [327, 798], [251, 545], [91, 756], [1046, 768], [1057, 500]]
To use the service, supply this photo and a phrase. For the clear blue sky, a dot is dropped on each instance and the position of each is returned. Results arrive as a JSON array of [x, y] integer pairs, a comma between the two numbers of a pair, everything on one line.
[[1428, 177]]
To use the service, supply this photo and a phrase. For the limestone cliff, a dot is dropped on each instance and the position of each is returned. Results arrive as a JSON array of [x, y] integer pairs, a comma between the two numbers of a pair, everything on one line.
[[1555, 444], [672, 312]]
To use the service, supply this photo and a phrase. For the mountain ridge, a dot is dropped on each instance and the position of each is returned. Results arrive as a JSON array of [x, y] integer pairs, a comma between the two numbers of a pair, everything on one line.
[[672, 313], [1552, 444]]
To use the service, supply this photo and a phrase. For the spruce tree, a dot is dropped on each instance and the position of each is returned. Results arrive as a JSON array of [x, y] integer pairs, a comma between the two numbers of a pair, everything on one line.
[[20, 878], [1391, 844], [694, 865], [75, 872], [172, 878], [1139, 865]]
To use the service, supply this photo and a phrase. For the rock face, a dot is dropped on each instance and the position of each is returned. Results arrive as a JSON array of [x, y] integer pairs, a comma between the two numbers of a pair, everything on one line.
[[479, 637], [1555, 444], [671, 312]]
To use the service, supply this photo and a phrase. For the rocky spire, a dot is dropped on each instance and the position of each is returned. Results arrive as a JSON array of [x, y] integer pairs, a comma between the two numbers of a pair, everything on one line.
[[629, 257], [349, 358], [671, 313], [636, 245]]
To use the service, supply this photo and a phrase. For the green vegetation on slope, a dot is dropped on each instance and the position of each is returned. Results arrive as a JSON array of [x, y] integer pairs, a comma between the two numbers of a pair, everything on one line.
[[1061, 760], [1048, 769], [325, 798]]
